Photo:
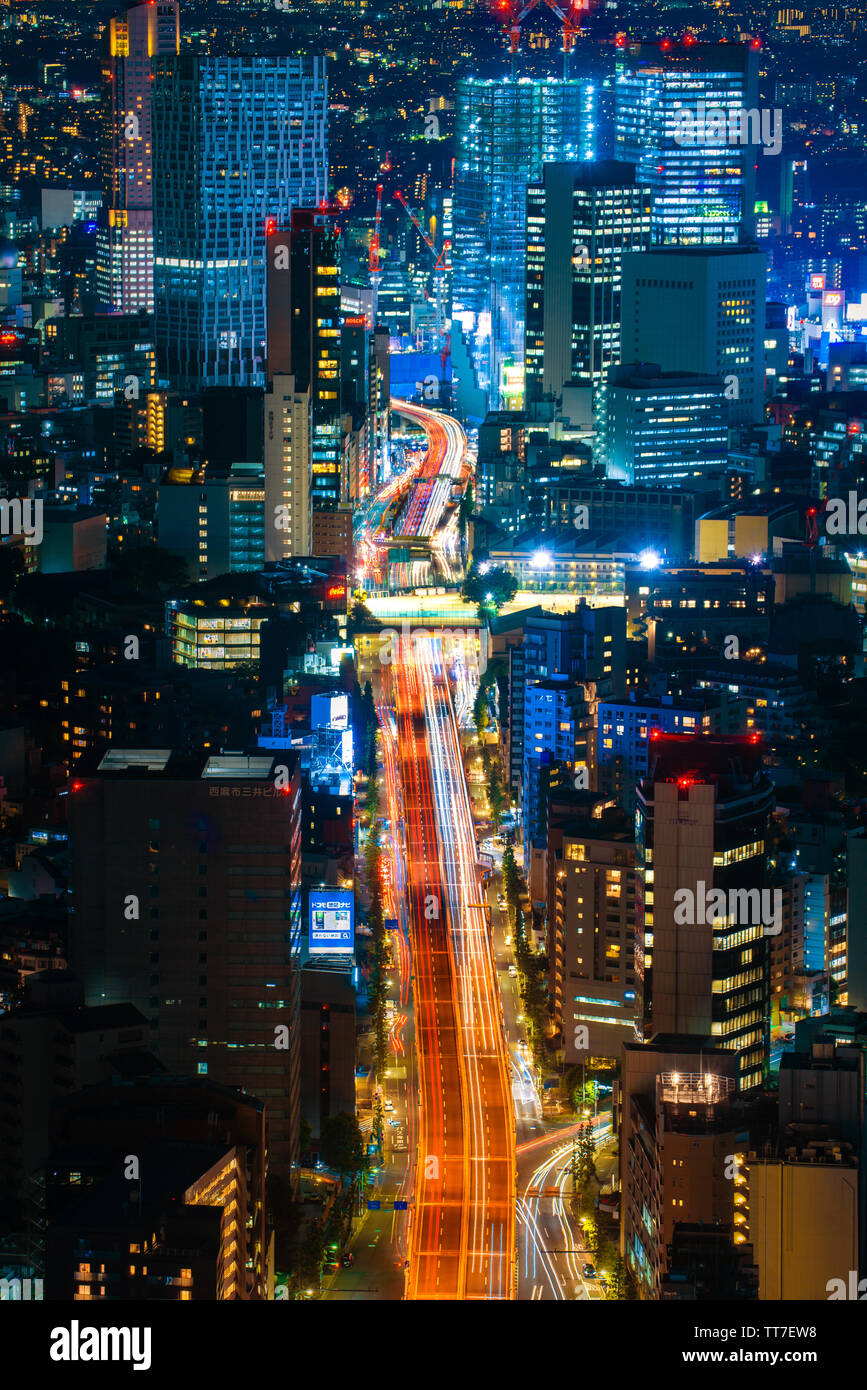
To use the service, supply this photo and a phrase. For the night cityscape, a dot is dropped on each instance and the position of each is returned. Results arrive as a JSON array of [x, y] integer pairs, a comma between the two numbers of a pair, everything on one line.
[[433, 706]]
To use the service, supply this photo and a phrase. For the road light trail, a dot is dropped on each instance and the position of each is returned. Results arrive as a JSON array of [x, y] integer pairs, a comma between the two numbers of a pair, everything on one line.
[[490, 1209], [438, 1244], [462, 1238], [441, 468]]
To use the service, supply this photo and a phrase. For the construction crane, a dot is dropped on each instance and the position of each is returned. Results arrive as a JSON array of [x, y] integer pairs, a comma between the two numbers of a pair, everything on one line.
[[514, 12], [442, 260], [440, 257], [373, 258]]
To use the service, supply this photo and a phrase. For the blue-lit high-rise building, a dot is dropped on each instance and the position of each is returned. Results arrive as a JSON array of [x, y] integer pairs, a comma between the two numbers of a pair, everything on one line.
[[559, 743], [702, 187], [238, 143], [664, 429], [507, 129]]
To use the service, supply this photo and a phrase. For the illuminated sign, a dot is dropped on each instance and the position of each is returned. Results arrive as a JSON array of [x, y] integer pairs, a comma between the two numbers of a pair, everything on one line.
[[332, 922], [337, 591], [339, 712], [832, 298], [817, 282], [355, 320], [330, 712]]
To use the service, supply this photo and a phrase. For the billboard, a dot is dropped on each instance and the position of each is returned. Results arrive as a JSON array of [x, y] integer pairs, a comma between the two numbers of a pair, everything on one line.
[[332, 922], [339, 712], [330, 711]]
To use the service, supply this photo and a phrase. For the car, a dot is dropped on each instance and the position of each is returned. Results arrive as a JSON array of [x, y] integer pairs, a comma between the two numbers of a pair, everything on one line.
[[513, 970], [388, 1106], [588, 1271], [347, 1259], [331, 1267]]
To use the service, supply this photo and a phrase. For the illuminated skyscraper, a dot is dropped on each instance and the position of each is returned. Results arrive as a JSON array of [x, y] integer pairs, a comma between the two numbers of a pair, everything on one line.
[[664, 429], [288, 432], [507, 129], [703, 913], [124, 262], [703, 192], [303, 301], [238, 143], [581, 218]]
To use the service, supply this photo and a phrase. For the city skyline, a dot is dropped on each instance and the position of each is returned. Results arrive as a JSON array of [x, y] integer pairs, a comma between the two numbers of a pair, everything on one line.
[[433, 778]]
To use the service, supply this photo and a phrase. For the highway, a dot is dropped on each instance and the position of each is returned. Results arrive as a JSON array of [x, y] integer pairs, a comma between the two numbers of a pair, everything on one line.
[[414, 504], [462, 1233], [442, 467], [372, 540], [552, 1251]]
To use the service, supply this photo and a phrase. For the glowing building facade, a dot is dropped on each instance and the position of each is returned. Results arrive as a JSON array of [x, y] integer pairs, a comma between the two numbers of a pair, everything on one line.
[[507, 129]]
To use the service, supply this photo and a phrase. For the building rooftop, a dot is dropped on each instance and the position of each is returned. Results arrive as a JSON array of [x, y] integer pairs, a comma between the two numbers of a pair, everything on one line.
[[132, 763]]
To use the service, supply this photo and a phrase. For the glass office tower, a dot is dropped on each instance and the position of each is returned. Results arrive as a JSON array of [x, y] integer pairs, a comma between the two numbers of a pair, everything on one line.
[[507, 129], [238, 143], [703, 192]]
